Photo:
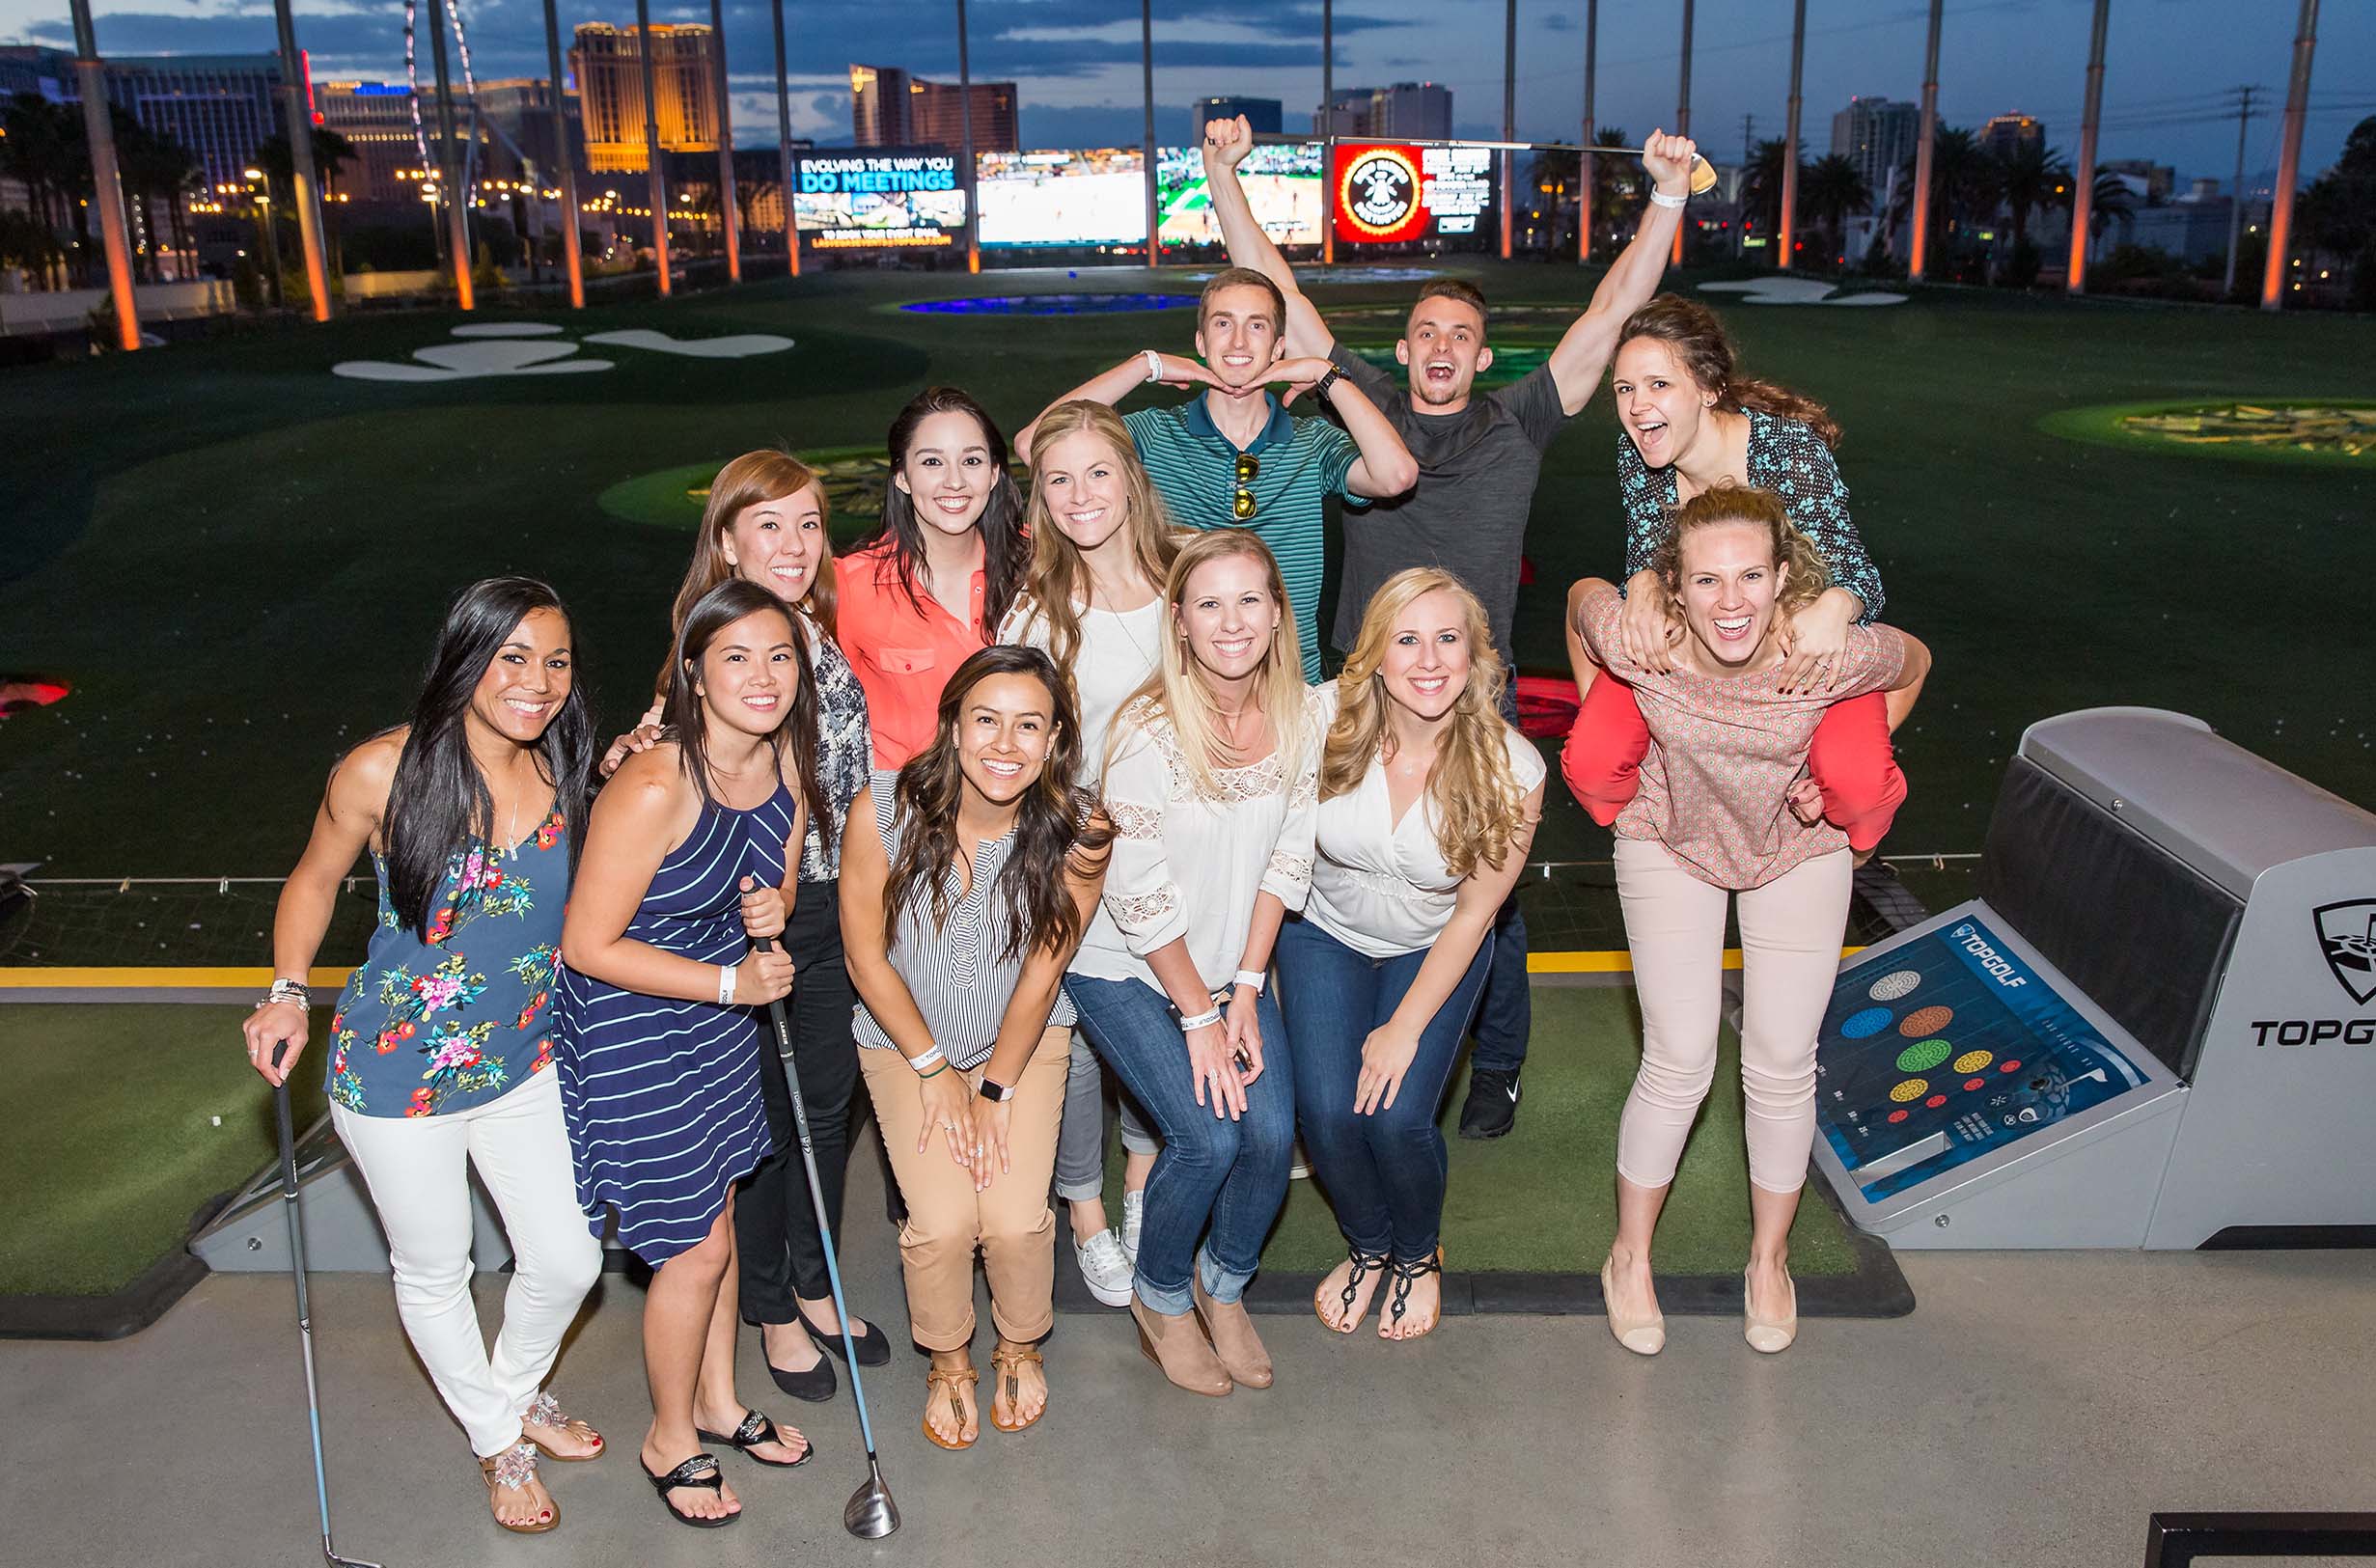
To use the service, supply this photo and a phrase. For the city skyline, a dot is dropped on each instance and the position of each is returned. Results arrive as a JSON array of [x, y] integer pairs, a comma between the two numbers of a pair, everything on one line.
[[1078, 65]]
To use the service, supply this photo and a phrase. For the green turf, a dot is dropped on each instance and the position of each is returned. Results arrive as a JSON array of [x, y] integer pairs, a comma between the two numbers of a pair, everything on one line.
[[1543, 1199], [116, 1139], [238, 560]]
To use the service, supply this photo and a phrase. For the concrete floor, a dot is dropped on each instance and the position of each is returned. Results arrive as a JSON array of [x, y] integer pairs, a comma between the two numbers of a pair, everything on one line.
[[2034, 1411]]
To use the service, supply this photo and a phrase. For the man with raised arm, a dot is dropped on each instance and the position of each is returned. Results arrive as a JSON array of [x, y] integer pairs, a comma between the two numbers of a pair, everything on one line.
[[1234, 457], [1479, 455]]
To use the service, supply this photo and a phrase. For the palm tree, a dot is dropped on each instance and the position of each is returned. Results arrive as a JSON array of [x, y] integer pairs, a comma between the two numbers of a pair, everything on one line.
[[2110, 200], [1831, 189], [330, 149], [1615, 181], [155, 167], [1963, 186], [2030, 178], [1761, 184], [38, 144]]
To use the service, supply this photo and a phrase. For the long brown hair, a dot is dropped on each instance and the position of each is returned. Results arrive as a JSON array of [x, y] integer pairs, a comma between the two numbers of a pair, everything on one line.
[[1805, 576], [1004, 549], [1058, 583], [1055, 820], [1700, 343], [753, 478], [715, 611], [1478, 808]]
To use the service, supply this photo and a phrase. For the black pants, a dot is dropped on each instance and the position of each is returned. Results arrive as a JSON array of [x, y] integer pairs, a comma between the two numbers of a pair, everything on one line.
[[775, 1222]]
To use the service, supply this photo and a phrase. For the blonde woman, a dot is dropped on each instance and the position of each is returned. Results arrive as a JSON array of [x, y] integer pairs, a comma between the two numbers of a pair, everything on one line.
[[1092, 600], [1721, 821], [1428, 801], [1212, 780]]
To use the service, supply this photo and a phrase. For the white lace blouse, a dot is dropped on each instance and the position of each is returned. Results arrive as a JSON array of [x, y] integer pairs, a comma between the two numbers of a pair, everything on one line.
[[1191, 865]]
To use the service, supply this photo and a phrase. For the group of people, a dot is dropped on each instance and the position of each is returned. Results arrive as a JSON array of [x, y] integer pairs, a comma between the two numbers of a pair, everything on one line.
[[1033, 790]]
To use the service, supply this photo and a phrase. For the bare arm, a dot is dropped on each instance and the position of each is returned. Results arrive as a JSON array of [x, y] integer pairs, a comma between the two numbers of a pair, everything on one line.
[[1384, 466], [1111, 387], [1584, 351], [865, 874], [1227, 142]]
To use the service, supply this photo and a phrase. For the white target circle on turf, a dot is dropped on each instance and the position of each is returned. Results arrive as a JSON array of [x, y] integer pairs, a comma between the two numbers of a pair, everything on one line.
[[1890, 987]]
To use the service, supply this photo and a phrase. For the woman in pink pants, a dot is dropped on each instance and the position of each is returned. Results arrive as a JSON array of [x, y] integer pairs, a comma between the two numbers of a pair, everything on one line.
[[1725, 809]]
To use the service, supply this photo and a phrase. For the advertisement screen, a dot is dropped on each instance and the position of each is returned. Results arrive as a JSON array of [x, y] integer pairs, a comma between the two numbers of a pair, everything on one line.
[[1390, 192], [1283, 184], [884, 198], [1092, 197]]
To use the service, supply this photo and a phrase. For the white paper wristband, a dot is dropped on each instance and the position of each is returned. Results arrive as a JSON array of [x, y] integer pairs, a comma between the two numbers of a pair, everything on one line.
[[1155, 365], [924, 1064], [725, 984], [1203, 1020], [1664, 199], [1253, 978]]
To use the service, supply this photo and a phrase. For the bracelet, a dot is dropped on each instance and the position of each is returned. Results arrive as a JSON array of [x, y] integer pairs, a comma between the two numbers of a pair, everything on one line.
[[284, 989], [1203, 1020], [725, 984], [920, 1064], [1662, 198], [1250, 978], [1155, 365], [935, 1072]]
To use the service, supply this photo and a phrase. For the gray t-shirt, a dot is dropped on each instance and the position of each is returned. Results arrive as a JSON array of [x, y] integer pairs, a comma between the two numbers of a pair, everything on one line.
[[1468, 512]]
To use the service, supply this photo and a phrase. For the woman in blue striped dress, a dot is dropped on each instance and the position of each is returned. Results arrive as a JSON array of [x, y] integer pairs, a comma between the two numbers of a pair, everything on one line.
[[685, 862]]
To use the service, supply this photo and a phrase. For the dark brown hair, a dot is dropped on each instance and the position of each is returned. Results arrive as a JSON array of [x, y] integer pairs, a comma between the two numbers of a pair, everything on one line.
[[1004, 552], [718, 609], [1700, 341], [1243, 277], [1459, 288], [753, 478]]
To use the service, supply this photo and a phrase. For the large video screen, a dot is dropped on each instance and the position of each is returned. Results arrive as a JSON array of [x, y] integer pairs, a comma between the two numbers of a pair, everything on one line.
[[1283, 184], [1070, 197], [877, 198], [1390, 192]]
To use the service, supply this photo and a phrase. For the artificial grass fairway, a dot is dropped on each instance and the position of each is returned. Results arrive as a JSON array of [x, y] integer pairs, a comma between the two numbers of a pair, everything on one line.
[[113, 1144], [1543, 1199]]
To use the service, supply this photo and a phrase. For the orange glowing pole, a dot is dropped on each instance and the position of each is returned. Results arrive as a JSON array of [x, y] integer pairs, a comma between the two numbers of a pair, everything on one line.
[[1790, 138], [1509, 117], [1682, 121], [571, 258], [1922, 150], [2083, 198], [450, 188], [965, 147], [1584, 159], [2289, 160], [729, 220], [655, 182], [1328, 132], [784, 138], [302, 179], [106, 183]]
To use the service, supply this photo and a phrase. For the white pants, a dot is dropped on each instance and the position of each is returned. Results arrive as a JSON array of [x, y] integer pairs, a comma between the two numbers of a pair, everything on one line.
[[418, 1171], [1791, 934]]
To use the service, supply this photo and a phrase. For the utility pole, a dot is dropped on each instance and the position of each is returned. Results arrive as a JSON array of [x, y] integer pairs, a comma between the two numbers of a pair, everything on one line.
[[1328, 132], [1509, 119], [106, 182], [784, 138], [1683, 123], [1147, 73], [1790, 138], [730, 218], [2236, 191], [1749, 152], [1920, 253], [303, 187], [655, 182], [451, 189], [2289, 159], [965, 147], [571, 258], [2083, 198], [1584, 159]]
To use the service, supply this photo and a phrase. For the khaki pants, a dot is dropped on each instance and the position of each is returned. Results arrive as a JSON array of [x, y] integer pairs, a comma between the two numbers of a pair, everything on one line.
[[1010, 1221]]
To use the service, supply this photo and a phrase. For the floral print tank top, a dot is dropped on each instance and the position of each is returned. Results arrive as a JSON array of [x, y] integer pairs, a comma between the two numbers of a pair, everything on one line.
[[427, 1028]]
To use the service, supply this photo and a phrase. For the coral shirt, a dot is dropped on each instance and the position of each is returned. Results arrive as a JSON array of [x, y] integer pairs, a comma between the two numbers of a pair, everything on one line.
[[904, 648]]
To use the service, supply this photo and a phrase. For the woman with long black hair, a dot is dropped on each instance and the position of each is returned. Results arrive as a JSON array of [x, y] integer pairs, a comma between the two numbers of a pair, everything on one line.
[[689, 856], [928, 586], [442, 1042]]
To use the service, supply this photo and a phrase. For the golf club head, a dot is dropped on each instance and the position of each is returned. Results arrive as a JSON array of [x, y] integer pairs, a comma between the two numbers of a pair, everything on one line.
[[871, 1515], [1702, 175]]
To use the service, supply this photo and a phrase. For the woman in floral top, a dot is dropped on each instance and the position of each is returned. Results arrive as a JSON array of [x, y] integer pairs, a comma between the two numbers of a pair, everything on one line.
[[441, 1047], [765, 523]]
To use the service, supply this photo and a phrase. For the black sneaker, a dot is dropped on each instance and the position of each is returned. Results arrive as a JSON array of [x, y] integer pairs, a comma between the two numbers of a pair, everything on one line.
[[1492, 1106]]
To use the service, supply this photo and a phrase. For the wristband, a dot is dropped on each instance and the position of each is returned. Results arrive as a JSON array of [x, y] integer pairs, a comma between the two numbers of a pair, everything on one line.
[[1203, 1020], [1662, 198], [725, 984], [920, 1064], [284, 989], [1155, 365], [1252, 978], [935, 1072]]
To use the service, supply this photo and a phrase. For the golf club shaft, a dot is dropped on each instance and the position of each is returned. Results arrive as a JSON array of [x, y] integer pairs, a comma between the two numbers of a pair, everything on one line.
[[817, 1197], [1702, 173]]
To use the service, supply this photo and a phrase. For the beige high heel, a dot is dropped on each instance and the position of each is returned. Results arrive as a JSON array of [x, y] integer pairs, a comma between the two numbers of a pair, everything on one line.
[[1178, 1346], [1769, 1335], [1643, 1335]]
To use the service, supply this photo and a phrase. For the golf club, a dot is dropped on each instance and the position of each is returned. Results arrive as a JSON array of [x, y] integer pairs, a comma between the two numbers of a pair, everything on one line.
[[305, 1315], [1702, 172], [871, 1514]]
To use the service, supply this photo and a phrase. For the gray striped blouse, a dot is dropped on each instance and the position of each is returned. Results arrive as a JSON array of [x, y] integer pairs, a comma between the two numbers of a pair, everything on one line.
[[955, 973]]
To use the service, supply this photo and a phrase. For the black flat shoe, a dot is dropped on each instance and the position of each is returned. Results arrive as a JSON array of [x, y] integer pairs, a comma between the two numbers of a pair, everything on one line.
[[874, 1346], [755, 1430], [817, 1384], [700, 1470]]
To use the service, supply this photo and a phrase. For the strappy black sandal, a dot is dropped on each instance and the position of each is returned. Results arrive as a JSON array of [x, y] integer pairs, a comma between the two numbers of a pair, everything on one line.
[[755, 1430], [1407, 1275], [1363, 1263], [700, 1470]]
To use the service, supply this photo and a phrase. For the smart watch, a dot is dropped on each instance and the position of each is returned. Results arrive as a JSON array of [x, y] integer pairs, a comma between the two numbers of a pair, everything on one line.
[[994, 1091]]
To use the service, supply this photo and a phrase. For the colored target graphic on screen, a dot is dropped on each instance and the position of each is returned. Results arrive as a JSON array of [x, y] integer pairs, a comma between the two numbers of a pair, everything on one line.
[[1925, 1021], [1912, 1089], [1895, 987], [1923, 1055], [1865, 1022]]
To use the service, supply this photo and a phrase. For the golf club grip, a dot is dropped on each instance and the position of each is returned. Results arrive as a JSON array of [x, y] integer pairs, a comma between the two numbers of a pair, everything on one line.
[[280, 1115]]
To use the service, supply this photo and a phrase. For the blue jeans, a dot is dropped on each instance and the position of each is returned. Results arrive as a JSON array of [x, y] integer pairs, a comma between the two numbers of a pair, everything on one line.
[[1383, 1173], [1232, 1173], [1506, 1015]]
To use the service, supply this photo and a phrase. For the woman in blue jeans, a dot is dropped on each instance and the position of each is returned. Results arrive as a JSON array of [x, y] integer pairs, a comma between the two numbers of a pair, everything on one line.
[[1211, 784], [1428, 801]]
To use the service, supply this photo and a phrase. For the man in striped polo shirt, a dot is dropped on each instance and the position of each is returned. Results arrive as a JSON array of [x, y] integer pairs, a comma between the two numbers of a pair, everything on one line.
[[1234, 457]]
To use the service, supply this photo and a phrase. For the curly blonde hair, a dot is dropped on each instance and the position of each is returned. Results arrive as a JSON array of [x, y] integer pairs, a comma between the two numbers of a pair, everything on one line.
[[1805, 576], [1479, 807]]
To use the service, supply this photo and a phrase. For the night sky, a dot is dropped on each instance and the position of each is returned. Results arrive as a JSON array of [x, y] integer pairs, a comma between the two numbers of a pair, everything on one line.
[[2169, 65]]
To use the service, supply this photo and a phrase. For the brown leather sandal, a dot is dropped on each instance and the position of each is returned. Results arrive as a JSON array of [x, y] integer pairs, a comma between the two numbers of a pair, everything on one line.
[[515, 1470], [1007, 1363], [546, 1411], [950, 1379]]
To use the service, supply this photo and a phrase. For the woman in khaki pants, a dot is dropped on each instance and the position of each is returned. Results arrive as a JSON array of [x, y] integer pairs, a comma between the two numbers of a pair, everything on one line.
[[967, 880]]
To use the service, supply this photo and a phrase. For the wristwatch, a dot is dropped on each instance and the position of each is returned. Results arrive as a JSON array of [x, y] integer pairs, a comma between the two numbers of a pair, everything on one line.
[[994, 1091], [1319, 387]]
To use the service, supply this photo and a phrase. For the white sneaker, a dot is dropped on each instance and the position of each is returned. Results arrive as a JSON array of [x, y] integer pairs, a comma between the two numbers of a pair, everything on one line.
[[1105, 1268], [1134, 1209]]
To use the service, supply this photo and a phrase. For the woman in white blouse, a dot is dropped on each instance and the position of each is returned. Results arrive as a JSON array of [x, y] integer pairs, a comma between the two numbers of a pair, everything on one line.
[[1428, 801], [1102, 549], [1211, 781]]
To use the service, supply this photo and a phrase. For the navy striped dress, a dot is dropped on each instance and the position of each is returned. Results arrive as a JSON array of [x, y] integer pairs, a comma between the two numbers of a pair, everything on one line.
[[663, 1096]]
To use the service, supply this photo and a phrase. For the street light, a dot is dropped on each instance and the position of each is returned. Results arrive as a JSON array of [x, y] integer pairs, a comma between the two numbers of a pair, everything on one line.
[[262, 198]]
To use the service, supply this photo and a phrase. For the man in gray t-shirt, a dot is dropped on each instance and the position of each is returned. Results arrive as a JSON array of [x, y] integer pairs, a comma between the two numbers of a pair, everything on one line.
[[1480, 455]]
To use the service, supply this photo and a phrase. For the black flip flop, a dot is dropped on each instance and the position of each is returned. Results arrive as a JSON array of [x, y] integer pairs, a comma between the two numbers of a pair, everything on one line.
[[755, 1430], [690, 1473]]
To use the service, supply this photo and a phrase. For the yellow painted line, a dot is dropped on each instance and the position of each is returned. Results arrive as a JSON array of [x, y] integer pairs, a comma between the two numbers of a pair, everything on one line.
[[1616, 963], [126, 980]]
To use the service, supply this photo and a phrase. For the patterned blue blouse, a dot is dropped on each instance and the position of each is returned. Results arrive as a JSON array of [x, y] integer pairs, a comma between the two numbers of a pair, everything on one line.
[[1784, 456], [426, 1028]]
